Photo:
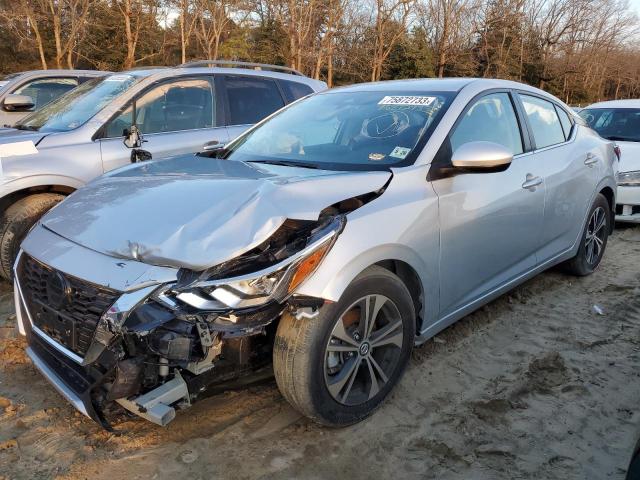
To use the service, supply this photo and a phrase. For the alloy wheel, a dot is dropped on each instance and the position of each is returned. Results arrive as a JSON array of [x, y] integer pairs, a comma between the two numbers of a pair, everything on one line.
[[363, 350], [596, 235]]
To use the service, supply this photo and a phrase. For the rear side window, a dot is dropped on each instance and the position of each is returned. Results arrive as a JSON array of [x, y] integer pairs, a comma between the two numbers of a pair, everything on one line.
[[251, 99], [490, 119], [46, 90], [544, 121], [565, 121], [295, 90]]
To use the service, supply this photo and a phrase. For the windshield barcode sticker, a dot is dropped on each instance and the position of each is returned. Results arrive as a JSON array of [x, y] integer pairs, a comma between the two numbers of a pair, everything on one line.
[[406, 100]]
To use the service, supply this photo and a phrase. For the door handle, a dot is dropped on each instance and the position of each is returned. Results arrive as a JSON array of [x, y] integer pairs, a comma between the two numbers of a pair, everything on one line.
[[214, 145], [531, 182], [591, 159]]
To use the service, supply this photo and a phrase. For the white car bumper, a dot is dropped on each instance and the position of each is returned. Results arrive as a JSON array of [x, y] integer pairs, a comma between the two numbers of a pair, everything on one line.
[[628, 204]]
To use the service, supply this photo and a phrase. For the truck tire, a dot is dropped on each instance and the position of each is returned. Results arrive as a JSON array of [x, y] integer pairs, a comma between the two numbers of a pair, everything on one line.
[[338, 367], [16, 222]]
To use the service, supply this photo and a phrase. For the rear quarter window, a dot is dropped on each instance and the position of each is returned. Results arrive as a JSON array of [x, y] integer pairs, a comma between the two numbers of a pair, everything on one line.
[[294, 90], [565, 121], [251, 99]]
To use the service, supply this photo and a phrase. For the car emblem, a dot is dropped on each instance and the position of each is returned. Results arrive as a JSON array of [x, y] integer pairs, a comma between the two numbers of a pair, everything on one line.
[[58, 290]]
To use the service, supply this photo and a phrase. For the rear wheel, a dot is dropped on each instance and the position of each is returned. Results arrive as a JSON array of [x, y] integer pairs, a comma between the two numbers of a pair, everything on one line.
[[16, 222], [594, 239], [338, 367]]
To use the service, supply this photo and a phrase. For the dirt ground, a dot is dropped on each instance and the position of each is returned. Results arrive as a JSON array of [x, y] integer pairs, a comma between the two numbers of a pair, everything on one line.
[[538, 385]]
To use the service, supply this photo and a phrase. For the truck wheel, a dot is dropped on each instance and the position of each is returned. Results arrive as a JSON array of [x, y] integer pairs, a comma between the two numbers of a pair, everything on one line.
[[593, 241], [16, 222], [338, 367]]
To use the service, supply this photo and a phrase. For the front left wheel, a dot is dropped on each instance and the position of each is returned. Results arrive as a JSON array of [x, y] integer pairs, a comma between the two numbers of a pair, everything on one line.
[[338, 367], [15, 223]]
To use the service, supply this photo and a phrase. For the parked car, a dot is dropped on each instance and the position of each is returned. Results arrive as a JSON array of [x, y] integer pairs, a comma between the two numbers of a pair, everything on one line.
[[329, 239], [619, 121], [80, 136], [26, 92]]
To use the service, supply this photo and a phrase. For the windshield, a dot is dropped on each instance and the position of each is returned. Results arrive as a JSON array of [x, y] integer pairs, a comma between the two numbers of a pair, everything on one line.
[[77, 106], [345, 131], [621, 124]]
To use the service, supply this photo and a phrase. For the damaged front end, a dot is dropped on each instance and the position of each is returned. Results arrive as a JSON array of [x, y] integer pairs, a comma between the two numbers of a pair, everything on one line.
[[159, 348]]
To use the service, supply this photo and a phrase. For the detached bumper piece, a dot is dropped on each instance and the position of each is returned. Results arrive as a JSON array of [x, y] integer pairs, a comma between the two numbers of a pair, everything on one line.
[[155, 405], [100, 348]]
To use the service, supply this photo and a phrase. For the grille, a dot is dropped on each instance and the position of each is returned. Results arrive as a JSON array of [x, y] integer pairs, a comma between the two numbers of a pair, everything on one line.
[[69, 315]]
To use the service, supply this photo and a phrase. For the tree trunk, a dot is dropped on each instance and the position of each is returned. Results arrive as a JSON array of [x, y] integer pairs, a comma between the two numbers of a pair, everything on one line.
[[129, 61], [56, 34], [36, 32], [183, 43]]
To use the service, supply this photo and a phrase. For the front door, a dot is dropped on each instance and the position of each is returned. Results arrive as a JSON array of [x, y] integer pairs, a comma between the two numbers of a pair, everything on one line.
[[490, 222], [176, 117]]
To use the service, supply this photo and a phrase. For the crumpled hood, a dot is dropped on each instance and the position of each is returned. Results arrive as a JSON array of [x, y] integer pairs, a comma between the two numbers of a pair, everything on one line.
[[10, 135], [197, 212]]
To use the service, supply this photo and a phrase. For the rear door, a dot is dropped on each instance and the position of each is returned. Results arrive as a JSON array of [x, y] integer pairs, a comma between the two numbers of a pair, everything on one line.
[[570, 172], [176, 116], [490, 221], [249, 99]]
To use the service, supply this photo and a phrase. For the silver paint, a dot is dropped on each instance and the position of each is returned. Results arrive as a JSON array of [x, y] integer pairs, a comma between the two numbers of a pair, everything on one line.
[[468, 238]]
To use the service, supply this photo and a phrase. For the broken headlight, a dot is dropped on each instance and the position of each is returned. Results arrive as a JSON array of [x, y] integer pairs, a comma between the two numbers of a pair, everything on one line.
[[274, 283]]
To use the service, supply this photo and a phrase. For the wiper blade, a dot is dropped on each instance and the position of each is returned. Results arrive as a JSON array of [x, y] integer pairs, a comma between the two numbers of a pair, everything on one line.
[[286, 163], [26, 127], [621, 139]]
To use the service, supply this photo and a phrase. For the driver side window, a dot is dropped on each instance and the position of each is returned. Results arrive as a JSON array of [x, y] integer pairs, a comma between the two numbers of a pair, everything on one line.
[[490, 119], [174, 106]]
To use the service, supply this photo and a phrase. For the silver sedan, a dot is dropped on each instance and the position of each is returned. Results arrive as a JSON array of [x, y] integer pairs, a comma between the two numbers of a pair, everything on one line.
[[328, 240]]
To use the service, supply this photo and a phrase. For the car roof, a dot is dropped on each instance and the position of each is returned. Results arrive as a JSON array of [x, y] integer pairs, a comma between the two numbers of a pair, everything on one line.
[[56, 72], [631, 103], [162, 73], [442, 85]]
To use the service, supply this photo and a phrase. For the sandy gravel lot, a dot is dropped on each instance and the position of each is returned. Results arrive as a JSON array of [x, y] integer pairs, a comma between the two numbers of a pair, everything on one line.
[[535, 385]]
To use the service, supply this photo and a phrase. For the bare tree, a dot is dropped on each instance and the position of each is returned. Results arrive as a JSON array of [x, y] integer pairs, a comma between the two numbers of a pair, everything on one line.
[[448, 23], [391, 19], [24, 19], [136, 15], [187, 19], [214, 19]]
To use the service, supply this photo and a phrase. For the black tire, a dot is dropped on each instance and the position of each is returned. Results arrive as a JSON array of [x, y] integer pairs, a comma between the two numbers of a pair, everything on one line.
[[301, 351], [16, 222], [584, 263]]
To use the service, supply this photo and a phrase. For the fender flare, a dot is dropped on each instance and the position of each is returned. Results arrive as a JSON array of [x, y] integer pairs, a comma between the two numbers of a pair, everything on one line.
[[38, 181], [330, 283]]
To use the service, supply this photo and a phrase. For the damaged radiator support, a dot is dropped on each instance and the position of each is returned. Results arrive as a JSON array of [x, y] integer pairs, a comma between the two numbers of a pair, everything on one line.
[[155, 405]]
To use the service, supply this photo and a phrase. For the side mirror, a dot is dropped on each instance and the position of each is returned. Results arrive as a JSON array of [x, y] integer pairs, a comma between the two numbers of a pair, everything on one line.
[[18, 103], [133, 137], [138, 155], [481, 155]]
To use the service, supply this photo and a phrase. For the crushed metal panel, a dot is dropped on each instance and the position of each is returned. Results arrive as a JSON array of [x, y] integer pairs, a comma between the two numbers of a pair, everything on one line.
[[226, 209]]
